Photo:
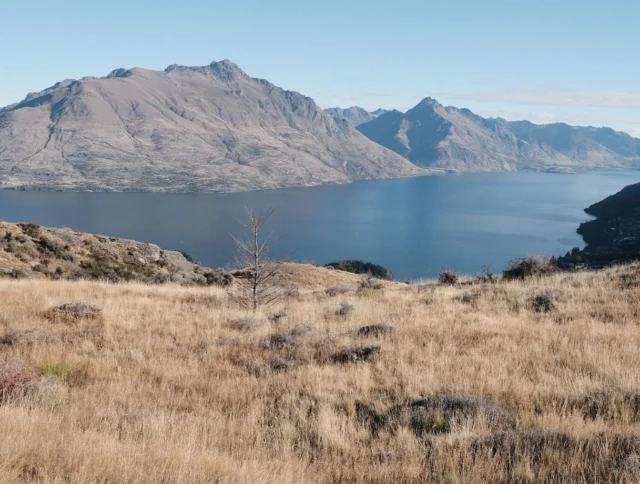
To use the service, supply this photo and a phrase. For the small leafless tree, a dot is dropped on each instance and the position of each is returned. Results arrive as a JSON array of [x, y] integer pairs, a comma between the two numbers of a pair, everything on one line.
[[253, 258]]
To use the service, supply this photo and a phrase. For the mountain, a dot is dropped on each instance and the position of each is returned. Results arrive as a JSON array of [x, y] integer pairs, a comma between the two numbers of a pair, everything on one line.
[[211, 128], [355, 115], [431, 135]]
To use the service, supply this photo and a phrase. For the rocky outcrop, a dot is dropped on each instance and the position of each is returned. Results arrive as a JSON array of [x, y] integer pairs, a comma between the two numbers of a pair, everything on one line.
[[31, 251]]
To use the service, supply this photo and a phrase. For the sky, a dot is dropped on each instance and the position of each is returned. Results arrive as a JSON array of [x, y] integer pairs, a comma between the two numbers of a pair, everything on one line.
[[546, 61]]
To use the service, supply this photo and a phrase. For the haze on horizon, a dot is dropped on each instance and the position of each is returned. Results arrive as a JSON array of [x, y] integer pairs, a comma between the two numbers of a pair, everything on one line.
[[570, 61]]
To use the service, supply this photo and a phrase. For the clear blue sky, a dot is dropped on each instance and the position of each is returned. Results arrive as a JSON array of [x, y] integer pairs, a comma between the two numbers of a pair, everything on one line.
[[562, 60]]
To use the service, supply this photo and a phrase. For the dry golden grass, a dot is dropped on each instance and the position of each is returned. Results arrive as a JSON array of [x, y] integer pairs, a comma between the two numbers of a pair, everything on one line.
[[173, 384]]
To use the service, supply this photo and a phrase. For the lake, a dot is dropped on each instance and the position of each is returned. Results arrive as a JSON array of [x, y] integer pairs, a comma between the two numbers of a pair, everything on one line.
[[415, 227]]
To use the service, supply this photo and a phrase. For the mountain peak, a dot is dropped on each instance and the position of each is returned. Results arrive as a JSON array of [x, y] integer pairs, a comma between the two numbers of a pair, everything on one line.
[[120, 72], [225, 70], [429, 102]]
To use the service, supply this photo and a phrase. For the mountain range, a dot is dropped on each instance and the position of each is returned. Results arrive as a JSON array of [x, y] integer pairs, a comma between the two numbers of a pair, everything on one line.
[[185, 129], [214, 128], [435, 136]]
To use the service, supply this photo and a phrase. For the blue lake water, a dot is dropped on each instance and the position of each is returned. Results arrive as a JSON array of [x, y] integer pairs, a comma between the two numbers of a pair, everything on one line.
[[415, 227]]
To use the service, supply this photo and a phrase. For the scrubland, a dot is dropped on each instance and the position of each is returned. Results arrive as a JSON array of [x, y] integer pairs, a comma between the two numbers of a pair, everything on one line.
[[531, 381]]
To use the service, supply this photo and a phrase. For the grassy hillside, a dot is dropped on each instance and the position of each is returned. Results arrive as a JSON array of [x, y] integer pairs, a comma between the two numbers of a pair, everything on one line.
[[506, 382]]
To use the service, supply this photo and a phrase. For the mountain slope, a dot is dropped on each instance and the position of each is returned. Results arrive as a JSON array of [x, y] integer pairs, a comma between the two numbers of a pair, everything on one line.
[[431, 135], [355, 115], [210, 128]]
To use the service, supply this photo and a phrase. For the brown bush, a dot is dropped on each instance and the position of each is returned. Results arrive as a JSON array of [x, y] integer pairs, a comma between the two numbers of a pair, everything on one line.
[[73, 312], [15, 375], [530, 266]]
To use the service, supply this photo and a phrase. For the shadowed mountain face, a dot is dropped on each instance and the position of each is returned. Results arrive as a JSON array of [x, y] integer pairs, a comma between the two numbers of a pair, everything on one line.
[[209, 128], [355, 115], [431, 135]]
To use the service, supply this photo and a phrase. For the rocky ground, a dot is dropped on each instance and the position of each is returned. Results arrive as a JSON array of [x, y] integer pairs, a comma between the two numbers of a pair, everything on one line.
[[34, 252]]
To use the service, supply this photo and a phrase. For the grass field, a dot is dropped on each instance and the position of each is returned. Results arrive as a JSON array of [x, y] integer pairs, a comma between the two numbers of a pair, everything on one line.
[[535, 381]]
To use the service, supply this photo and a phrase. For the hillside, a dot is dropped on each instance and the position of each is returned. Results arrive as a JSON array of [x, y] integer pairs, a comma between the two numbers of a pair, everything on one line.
[[187, 129], [531, 381], [432, 135], [28, 251], [614, 235]]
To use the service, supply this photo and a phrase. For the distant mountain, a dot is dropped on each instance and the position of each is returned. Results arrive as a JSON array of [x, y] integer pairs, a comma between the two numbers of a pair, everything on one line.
[[355, 115], [210, 128], [573, 142], [431, 135]]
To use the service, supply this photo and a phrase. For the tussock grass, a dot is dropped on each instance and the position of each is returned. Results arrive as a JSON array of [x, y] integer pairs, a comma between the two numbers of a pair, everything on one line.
[[473, 383]]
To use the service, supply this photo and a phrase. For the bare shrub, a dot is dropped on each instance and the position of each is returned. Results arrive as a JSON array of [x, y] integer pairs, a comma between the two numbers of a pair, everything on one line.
[[278, 316], [35, 337], [345, 309], [369, 282], [448, 278], [375, 330], [439, 413], [543, 303], [73, 312], [30, 229], [530, 266], [357, 355], [253, 257], [286, 339], [244, 324], [49, 392], [337, 291], [15, 375]]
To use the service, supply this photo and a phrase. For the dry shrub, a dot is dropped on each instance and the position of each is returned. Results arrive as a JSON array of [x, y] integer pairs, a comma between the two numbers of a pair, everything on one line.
[[357, 355], [15, 376], [285, 339], [369, 282], [438, 414], [543, 303], [448, 278], [375, 330], [470, 298], [31, 337], [345, 310], [608, 405], [244, 325], [541, 456], [278, 316], [337, 291], [526, 267], [48, 392], [73, 312]]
